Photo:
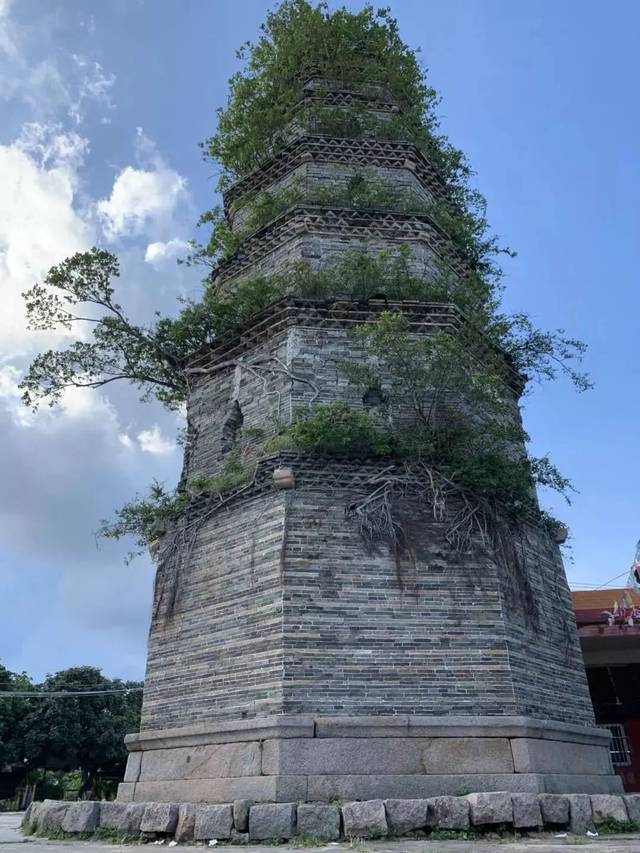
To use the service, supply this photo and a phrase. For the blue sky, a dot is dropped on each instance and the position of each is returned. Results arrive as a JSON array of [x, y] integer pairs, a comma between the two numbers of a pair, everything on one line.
[[102, 106]]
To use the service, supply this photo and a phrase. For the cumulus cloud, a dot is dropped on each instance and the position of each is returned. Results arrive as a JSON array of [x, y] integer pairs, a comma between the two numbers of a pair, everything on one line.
[[39, 225], [160, 253], [153, 441], [142, 198], [68, 467]]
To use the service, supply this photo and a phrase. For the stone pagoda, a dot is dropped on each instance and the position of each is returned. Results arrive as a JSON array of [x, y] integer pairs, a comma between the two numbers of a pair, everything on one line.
[[291, 660]]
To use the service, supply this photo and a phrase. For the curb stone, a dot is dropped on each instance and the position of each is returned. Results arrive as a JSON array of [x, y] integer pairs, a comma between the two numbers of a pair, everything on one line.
[[243, 821]]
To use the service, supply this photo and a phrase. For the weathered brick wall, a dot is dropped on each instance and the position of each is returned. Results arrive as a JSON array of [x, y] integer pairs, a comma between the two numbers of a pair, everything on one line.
[[283, 609], [323, 251], [335, 176], [544, 650], [363, 635], [314, 355], [220, 654], [263, 398]]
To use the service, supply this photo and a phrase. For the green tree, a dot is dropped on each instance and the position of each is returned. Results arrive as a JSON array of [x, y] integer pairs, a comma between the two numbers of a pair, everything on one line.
[[80, 291], [83, 733], [12, 716]]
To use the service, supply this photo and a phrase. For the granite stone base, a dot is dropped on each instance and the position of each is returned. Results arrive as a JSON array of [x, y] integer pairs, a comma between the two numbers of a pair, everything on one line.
[[242, 822], [296, 758]]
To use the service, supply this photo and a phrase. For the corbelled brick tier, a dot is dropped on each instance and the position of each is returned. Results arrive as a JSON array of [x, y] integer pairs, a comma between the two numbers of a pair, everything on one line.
[[291, 656], [321, 236], [327, 150], [306, 341]]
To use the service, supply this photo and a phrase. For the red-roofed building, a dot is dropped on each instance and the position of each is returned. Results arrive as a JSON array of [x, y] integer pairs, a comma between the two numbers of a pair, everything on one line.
[[609, 630]]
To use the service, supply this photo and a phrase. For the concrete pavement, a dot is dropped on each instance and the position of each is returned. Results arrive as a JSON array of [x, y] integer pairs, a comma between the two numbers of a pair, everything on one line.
[[10, 828]]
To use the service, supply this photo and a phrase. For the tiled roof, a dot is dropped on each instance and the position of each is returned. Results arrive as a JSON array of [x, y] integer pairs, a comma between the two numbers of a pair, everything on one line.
[[602, 599]]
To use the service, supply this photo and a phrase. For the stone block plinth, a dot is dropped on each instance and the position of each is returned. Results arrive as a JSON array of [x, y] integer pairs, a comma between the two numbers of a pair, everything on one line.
[[283, 759]]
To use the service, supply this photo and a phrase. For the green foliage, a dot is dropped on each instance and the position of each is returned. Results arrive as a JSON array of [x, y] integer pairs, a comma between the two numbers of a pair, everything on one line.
[[538, 355], [468, 427], [301, 842], [452, 835], [335, 430], [297, 40], [356, 277], [80, 291], [12, 712], [147, 518], [61, 835], [233, 474], [362, 191], [615, 827], [84, 733]]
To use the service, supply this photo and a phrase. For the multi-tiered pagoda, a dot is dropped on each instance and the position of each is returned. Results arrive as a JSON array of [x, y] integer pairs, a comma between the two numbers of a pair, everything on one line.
[[290, 658]]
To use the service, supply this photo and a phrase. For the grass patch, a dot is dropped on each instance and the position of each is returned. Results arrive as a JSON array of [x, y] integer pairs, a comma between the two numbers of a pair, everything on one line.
[[61, 835], [359, 845], [453, 835], [613, 827], [104, 833]]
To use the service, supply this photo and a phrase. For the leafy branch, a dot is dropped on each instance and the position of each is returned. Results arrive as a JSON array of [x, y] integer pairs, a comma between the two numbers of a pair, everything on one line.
[[79, 293]]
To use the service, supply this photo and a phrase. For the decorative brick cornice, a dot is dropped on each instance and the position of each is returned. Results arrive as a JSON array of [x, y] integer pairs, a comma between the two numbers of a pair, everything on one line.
[[346, 223], [290, 311], [423, 317], [321, 148]]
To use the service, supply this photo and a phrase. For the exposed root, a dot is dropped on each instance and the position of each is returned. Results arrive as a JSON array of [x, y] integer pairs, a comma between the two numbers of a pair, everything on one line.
[[469, 521], [174, 556]]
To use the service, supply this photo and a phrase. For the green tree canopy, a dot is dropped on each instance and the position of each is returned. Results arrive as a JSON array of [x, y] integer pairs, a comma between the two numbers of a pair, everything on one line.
[[12, 715], [81, 732]]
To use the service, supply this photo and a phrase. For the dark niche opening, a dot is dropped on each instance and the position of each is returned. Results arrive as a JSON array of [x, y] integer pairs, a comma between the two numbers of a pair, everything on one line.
[[373, 398], [231, 427]]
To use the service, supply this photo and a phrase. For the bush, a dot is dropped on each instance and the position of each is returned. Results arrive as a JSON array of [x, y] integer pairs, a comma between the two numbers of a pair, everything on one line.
[[339, 430]]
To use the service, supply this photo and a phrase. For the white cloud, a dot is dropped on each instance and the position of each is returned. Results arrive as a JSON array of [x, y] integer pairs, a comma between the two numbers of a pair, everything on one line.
[[50, 147], [94, 87], [142, 198], [152, 441], [7, 43], [138, 199], [77, 405], [10, 396], [159, 253], [39, 225], [53, 82], [125, 440]]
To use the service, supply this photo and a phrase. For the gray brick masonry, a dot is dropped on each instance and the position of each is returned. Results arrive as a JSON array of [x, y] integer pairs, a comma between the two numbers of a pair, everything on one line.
[[276, 610]]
